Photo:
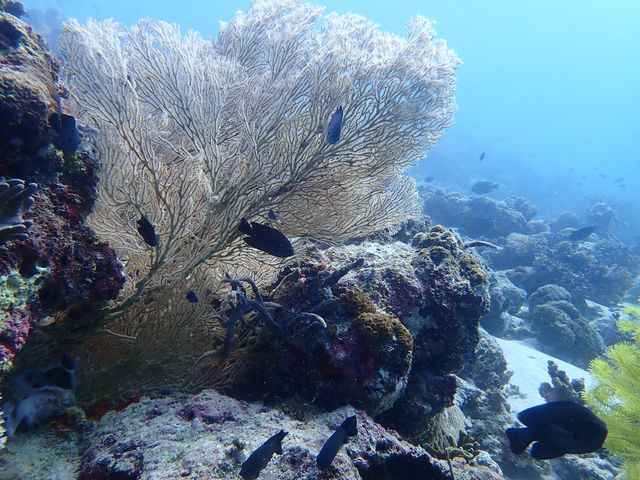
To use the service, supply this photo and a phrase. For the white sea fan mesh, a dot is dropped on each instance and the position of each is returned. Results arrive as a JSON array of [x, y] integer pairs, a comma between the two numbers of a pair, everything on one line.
[[197, 134]]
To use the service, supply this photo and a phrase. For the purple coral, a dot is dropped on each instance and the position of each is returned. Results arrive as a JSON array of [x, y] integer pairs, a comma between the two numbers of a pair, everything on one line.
[[15, 200]]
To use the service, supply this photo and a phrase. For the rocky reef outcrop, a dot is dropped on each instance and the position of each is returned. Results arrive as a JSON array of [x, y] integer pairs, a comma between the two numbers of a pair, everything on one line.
[[480, 216], [49, 260], [208, 436]]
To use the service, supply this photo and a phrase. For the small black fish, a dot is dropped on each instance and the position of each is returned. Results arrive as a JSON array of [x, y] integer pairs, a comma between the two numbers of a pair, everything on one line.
[[429, 179], [67, 139], [557, 428], [482, 156], [260, 457], [484, 187], [192, 297], [147, 232], [272, 214], [268, 239], [59, 377], [334, 443], [335, 126], [582, 233], [619, 180]]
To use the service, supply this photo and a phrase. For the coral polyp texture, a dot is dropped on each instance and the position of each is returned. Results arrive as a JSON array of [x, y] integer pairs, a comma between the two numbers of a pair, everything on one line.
[[15, 200], [197, 134]]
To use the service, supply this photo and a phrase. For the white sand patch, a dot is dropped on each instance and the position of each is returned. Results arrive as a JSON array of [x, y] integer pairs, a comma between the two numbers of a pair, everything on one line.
[[529, 368]]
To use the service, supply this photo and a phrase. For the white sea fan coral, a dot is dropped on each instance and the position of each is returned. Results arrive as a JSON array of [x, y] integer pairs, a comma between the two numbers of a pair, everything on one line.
[[197, 134]]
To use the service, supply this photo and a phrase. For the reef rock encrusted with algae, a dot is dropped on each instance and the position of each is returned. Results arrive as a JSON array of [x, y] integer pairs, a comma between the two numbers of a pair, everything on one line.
[[54, 261], [209, 435], [403, 307], [599, 269]]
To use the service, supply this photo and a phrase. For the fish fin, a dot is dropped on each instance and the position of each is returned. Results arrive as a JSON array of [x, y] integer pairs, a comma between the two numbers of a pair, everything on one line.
[[278, 448], [245, 228], [519, 439], [352, 426], [545, 451]]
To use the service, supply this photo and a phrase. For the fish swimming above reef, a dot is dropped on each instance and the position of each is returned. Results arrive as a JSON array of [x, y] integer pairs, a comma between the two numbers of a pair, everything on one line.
[[429, 179], [334, 443], [192, 297], [582, 233], [484, 187], [268, 239], [147, 232], [482, 155], [335, 126], [557, 428], [260, 457]]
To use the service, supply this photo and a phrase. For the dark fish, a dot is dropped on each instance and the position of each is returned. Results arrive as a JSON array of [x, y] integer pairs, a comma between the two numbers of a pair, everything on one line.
[[482, 156], [272, 214], [67, 139], [557, 428], [619, 180], [260, 457], [429, 179], [59, 377], [582, 233], [334, 443], [335, 126], [192, 297], [265, 238], [484, 187], [147, 232]]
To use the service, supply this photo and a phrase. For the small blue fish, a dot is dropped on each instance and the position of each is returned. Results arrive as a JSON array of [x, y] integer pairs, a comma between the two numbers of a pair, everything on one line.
[[147, 232], [335, 126], [192, 297], [272, 214]]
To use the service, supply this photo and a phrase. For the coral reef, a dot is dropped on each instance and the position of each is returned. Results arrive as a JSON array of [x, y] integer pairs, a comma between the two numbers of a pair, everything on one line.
[[601, 270], [208, 436], [30, 109], [561, 387], [560, 328], [57, 262], [479, 216]]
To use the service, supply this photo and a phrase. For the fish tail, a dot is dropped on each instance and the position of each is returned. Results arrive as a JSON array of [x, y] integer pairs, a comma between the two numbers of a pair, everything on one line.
[[519, 439]]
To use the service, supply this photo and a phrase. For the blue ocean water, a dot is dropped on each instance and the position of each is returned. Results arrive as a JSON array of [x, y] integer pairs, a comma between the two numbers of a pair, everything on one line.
[[547, 91]]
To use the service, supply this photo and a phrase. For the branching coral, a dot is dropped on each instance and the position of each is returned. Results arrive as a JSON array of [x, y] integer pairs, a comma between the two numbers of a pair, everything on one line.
[[198, 134], [616, 397]]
